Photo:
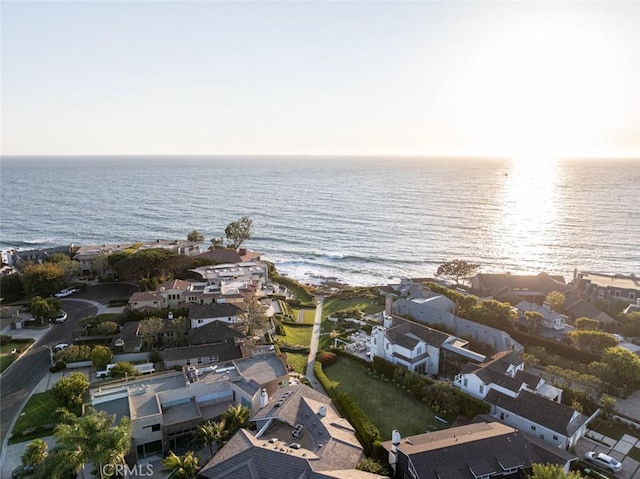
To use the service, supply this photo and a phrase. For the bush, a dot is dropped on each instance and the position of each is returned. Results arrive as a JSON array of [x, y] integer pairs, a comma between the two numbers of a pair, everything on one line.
[[5, 339], [58, 366]]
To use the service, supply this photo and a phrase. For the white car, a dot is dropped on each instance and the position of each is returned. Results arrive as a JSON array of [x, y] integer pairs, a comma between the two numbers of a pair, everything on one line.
[[59, 347], [62, 317], [66, 292], [603, 460]]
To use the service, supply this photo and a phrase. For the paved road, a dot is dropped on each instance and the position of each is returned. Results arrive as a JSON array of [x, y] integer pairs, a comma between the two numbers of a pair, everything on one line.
[[27, 371], [24, 374]]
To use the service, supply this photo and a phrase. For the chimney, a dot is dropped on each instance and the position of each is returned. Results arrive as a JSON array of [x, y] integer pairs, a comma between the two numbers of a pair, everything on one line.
[[393, 454], [242, 251], [388, 304], [264, 398], [322, 411]]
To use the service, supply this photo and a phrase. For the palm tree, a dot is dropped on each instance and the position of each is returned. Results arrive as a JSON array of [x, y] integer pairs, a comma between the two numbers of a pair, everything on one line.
[[92, 438], [211, 432], [236, 417], [185, 466], [62, 463], [35, 454]]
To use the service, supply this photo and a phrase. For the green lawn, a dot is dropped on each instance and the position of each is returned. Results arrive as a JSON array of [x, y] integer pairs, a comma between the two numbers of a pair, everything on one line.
[[298, 361], [38, 411], [613, 430], [634, 453], [6, 358], [297, 335], [309, 315], [387, 405], [331, 305]]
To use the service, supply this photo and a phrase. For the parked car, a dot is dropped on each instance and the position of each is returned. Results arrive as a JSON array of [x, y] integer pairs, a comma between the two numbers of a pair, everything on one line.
[[603, 460], [63, 293], [59, 347], [62, 317], [22, 472]]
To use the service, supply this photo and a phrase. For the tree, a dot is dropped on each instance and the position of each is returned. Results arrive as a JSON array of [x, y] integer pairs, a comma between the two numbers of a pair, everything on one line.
[[556, 301], [151, 329], [12, 287], [35, 454], [533, 319], [106, 328], [44, 309], [235, 417], [95, 438], [123, 369], [456, 270], [625, 364], [195, 236], [100, 265], [584, 324], [372, 466], [216, 242], [254, 317], [239, 231], [608, 405], [493, 312], [596, 341], [70, 390], [211, 433], [185, 466], [43, 279], [179, 332], [552, 471], [62, 463], [100, 356], [145, 264]]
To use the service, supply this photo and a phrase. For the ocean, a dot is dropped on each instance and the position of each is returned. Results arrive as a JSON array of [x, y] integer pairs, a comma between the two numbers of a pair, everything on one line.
[[362, 221]]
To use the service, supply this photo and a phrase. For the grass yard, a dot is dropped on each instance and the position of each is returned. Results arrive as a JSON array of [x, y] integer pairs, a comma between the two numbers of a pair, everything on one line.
[[308, 316], [614, 430], [38, 411], [298, 361], [297, 335], [331, 305], [387, 405], [634, 454], [6, 358]]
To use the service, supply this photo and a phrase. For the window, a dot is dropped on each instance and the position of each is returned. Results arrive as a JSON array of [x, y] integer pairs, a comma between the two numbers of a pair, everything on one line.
[[555, 438], [465, 382], [533, 428], [155, 427], [600, 293], [200, 321], [188, 362], [419, 351], [632, 295], [481, 389], [617, 293]]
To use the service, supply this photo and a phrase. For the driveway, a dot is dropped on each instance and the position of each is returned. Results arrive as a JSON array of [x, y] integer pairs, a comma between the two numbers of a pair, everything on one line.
[[630, 467]]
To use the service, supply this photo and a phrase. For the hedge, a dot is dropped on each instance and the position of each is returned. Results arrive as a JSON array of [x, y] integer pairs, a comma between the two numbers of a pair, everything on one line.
[[528, 340]]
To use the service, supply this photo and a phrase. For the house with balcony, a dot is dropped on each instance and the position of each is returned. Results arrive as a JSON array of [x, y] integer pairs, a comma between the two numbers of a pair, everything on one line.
[[166, 410], [419, 348]]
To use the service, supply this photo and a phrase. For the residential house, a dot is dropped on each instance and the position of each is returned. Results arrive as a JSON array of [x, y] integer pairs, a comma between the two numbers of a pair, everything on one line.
[[514, 287], [476, 451], [215, 332], [298, 435], [182, 247], [166, 410], [201, 314], [529, 412], [173, 292], [534, 288], [553, 324], [503, 372], [19, 258], [419, 348], [608, 287], [146, 300], [230, 256], [87, 253]]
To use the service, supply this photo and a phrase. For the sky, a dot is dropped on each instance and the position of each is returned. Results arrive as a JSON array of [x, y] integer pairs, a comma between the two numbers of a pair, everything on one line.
[[525, 80]]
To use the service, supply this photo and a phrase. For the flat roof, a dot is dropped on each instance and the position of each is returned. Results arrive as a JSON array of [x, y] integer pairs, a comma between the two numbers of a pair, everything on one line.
[[262, 368]]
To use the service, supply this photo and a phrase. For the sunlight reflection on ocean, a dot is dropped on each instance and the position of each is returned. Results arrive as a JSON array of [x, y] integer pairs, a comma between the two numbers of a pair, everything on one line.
[[362, 221]]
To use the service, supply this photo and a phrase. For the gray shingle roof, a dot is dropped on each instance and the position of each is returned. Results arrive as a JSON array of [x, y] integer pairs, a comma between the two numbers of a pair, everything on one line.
[[225, 352], [540, 410], [213, 310]]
